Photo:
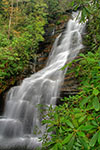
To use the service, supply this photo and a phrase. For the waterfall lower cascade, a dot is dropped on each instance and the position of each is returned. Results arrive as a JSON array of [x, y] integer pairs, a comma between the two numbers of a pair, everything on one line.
[[22, 117]]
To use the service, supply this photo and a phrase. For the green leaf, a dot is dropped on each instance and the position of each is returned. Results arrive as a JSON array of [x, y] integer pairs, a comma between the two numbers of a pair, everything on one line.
[[51, 129], [76, 7], [59, 145], [83, 62], [49, 143], [84, 14], [99, 137], [62, 120], [88, 10], [82, 55], [85, 100], [84, 143], [78, 115], [48, 121], [82, 119], [75, 123], [55, 147], [94, 139], [95, 92], [72, 3], [69, 129], [96, 103], [66, 140], [70, 144], [81, 134], [94, 123], [86, 128], [69, 123]]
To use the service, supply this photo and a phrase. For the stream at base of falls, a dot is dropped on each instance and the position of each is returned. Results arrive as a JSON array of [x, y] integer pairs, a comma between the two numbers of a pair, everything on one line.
[[21, 120]]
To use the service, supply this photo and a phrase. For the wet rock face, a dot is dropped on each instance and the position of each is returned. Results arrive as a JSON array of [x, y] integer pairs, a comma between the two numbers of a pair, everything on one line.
[[70, 85], [52, 31], [2, 102]]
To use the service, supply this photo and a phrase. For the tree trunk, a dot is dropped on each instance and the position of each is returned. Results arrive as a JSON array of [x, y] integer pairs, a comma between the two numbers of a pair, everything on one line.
[[10, 20]]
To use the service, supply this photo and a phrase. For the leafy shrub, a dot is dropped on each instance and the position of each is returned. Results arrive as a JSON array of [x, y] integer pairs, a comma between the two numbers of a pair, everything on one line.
[[75, 125]]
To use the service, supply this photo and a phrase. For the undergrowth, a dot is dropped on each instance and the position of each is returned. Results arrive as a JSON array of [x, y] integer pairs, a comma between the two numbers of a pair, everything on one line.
[[75, 125]]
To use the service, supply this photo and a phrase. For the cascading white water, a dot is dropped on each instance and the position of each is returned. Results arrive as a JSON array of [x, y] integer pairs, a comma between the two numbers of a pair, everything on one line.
[[21, 116]]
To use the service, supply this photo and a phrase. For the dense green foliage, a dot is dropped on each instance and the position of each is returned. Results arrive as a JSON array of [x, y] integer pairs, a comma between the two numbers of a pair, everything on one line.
[[75, 125], [21, 30], [57, 7], [22, 25]]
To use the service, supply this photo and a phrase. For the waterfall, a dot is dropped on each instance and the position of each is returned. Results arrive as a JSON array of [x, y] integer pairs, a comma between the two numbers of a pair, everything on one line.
[[21, 116]]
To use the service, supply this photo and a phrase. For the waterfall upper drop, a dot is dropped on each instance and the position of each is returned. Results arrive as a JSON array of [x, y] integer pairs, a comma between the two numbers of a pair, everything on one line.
[[21, 116]]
